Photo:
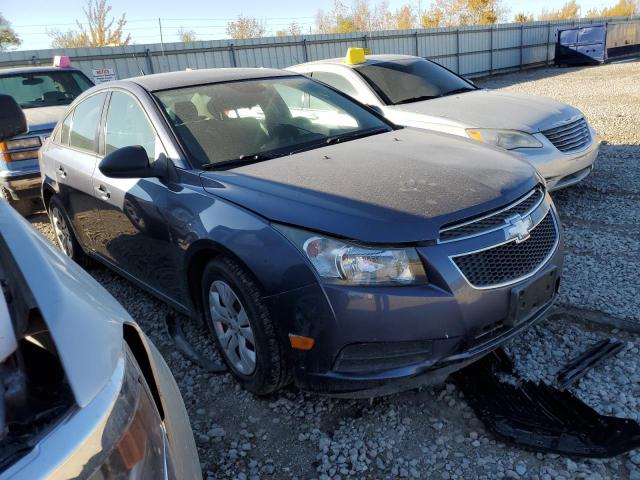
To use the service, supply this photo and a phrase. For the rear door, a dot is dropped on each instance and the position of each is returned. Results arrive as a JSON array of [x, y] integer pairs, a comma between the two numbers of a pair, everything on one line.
[[134, 232], [74, 155]]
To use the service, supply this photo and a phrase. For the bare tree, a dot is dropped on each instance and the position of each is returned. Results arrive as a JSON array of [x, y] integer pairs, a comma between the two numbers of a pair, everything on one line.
[[8, 36], [624, 8], [521, 17], [449, 13], [569, 10], [293, 29], [245, 27], [187, 36], [100, 30]]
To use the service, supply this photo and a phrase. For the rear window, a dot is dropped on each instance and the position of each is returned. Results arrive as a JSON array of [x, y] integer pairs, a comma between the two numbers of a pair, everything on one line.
[[406, 81], [44, 89]]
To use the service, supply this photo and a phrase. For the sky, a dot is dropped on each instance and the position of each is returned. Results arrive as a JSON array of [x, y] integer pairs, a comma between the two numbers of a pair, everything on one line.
[[33, 18]]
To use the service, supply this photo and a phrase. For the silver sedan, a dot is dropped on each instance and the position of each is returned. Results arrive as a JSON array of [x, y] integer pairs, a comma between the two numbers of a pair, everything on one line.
[[411, 91]]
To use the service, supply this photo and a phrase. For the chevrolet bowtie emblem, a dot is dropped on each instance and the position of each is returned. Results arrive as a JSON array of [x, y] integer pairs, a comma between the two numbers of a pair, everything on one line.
[[518, 228]]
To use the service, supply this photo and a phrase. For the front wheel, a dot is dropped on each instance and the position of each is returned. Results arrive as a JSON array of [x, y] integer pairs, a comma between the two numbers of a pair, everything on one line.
[[63, 232], [242, 327]]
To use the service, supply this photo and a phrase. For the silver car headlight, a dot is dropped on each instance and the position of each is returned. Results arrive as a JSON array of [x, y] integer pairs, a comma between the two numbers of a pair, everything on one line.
[[338, 261], [134, 441], [507, 139]]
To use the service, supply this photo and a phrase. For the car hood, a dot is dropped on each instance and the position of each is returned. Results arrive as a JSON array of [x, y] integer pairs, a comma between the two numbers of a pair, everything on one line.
[[394, 187], [85, 322], [494, 109], [44, 118]]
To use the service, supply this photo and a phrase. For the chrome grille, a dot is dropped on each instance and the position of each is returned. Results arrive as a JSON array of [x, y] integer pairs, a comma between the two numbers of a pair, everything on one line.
[[510, 262], [494, 220], [570, 136]]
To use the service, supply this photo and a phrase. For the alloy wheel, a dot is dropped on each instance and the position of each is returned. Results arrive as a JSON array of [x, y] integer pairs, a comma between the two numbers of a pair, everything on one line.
[[62, 231], [232, 327]]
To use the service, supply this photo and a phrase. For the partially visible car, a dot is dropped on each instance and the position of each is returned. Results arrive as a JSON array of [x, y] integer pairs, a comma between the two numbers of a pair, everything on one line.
[[318, 241], [43, 93], [84, 393], [554, 137]]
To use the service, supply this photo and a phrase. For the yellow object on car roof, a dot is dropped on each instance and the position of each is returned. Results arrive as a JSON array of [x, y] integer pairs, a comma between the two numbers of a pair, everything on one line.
[[356, 55]]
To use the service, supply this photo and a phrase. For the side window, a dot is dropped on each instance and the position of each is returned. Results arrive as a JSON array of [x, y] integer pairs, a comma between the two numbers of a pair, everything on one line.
[[128, 125], [336, 81], [62, 136], [86, 117]]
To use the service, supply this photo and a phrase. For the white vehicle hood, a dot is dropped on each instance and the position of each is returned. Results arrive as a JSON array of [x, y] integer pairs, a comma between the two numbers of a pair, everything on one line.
[[85, 322], [488, 109], [44, 118]]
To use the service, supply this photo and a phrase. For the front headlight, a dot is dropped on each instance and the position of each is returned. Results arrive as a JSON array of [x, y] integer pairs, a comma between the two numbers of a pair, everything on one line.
[[507, 139], [134, 441], [337, 261]]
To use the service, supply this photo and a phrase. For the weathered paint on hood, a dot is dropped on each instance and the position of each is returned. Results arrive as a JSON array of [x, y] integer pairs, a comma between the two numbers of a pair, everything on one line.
[[85, 322], [490, 109], [394, 187], [44, 118]]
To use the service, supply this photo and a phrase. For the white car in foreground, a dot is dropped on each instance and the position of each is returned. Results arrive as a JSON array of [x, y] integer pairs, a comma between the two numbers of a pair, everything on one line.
[[85, 394], [411, 91]]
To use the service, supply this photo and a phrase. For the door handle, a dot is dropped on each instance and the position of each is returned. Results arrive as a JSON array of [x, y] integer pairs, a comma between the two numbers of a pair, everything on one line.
[[103, 192], [62, 172]]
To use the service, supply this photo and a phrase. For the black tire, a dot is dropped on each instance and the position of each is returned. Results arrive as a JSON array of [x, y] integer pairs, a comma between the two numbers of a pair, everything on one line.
[[23, 206], [72, 248], [271, 369]]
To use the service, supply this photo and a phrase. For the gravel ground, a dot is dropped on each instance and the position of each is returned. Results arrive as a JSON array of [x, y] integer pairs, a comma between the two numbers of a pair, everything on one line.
[[432, 433]]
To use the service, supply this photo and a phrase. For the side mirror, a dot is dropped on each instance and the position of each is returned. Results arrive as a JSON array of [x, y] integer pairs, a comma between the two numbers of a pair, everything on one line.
[[376, 109], [130, 162], [12, 121]]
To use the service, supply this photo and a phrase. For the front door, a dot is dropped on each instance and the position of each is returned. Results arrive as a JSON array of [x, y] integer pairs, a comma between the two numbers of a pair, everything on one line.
[[134, 234]]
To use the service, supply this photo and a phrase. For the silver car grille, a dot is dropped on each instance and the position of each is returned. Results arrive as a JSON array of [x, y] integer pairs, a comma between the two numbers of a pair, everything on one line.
[[570, 136], [492, 221]]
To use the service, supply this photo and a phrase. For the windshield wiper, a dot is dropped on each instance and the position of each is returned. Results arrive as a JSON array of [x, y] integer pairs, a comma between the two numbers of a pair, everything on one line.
[[345, 137], [417, 99], [241, 160], [458, 90]]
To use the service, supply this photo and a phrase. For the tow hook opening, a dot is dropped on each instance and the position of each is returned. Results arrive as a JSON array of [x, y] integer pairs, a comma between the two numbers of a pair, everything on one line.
[[539, 417]]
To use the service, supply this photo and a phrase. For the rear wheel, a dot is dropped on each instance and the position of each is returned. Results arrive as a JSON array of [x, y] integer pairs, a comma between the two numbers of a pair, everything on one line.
[[242, 327], [23, 206], [63, 232]]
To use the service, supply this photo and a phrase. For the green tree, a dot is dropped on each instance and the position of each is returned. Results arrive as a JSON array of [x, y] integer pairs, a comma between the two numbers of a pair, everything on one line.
[[101, 30], [8, 36], [571, 9]]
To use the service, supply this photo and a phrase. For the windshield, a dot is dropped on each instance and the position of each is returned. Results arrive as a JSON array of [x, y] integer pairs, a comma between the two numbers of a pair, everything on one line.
[[44, 89], [256, 120], [411, 80]]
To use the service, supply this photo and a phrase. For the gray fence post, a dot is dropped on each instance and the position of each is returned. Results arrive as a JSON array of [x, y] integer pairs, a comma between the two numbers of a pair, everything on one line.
[[147, 54], [34, 60], [521, 44], [232, 53], [491, 50], [417, 45], [458, 51], [305, 51], [548, 40], [365, 41]]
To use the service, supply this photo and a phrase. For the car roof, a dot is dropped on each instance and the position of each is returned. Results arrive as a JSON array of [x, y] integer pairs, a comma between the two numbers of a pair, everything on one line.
[[19, 70], [370, 60], [165, 81]]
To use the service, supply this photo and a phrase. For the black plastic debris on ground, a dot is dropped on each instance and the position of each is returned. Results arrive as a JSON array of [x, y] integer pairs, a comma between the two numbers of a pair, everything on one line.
[[580, 365], [539, 417]]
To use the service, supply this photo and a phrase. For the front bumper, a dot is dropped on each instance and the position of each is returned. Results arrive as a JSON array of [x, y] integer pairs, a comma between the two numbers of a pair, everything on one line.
[[412, 335], [21, 184], [560, 169]]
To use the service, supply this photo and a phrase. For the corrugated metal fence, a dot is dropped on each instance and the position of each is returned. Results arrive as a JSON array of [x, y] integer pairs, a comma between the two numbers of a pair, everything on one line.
[[472, 51]]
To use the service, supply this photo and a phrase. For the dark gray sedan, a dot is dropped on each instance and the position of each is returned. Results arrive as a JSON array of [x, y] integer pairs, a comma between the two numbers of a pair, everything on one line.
[[320, 242]]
